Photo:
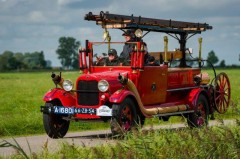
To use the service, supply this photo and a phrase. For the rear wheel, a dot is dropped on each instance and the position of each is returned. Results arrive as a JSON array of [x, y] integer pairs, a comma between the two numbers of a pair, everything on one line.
[[200, 116], [54, 125], [222, 93], [124, 117]]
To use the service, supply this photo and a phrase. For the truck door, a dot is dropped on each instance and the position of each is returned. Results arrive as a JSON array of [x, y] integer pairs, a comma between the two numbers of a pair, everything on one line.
[[152, 84]]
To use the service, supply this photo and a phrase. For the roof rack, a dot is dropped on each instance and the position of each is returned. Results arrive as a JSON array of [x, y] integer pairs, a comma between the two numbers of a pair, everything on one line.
[[115, 21]]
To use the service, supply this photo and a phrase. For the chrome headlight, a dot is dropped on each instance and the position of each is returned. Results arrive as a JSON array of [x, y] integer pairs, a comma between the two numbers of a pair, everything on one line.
[[67, 85], [103, 85]]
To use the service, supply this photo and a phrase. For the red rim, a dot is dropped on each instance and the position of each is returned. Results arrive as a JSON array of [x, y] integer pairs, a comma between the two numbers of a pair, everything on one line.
[[126, 118], [201, 114], [222, 93]]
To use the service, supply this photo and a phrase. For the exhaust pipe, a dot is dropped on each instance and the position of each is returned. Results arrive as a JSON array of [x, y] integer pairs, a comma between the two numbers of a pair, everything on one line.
[[151, 111]]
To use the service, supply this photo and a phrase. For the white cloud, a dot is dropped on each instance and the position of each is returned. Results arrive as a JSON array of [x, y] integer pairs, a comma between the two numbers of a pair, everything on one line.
[[61, 2], [64, 2], [37, 16], [236, 34]]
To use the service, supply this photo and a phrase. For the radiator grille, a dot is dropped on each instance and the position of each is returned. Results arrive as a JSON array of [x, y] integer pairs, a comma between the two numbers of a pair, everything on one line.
[[88, 93]]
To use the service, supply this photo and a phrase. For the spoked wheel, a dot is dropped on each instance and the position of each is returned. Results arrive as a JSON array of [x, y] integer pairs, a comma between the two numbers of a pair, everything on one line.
[[200, 116], [124, 117], [54, 125], [222, 93]]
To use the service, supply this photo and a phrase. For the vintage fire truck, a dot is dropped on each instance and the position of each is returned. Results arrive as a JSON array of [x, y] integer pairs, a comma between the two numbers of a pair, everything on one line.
[[127, 94]]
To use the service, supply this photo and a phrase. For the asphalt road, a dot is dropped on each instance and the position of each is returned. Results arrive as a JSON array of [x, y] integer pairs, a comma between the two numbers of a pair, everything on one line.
[[38, 143]]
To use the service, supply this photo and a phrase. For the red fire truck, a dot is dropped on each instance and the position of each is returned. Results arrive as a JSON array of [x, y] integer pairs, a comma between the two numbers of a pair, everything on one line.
[[127, 94]]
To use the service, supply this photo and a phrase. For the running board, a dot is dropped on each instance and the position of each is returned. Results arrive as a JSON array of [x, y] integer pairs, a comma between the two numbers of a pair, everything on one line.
[[174, 113]]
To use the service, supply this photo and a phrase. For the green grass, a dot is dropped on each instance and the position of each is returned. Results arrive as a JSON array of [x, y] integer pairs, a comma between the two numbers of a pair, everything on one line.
[[210, 142], [20, 99], [21, 96]]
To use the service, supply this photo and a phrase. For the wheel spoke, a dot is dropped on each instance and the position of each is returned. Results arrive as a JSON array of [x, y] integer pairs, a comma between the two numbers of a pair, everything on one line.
[[227, 103], [223, 105], [217, 98], [220, 82], [220, 106], [224, 84], [223, 81], [217, 91], [226, 90]]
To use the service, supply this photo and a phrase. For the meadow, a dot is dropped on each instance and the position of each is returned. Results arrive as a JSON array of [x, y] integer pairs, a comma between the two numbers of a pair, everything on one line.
[[21, 97], [20, 100]]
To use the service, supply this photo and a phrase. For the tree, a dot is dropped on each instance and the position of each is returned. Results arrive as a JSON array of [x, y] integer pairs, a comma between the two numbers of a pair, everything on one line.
[[8, 62], [35, 60], [20, 58], [42, 62], [3, 63], [212, 58], [222, 63], [67, 52]]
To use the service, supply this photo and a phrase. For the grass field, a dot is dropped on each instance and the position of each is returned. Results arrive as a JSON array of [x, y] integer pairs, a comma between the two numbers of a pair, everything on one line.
[[20, 99], [21, 96]]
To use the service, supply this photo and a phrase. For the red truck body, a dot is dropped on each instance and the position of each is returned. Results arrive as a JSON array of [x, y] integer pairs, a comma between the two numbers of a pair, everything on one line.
[[138, 91]]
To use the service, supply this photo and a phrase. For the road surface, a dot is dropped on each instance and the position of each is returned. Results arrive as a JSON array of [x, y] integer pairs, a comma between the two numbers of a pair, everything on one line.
[[86, 138]]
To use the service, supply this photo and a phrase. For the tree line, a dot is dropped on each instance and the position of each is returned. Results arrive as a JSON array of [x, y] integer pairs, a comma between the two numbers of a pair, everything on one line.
[[22, 61], [67, 52]]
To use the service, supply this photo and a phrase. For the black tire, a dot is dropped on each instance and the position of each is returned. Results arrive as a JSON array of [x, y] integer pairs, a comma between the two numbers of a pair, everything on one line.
[[124, 117], [199, 118], [54, 125]]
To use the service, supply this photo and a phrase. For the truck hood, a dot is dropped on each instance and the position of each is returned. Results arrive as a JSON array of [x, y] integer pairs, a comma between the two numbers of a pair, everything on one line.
[[106, 75], [110, 76]]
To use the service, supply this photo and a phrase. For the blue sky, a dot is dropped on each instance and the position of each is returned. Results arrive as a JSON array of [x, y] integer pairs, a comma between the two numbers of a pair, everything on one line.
[[34, 25]]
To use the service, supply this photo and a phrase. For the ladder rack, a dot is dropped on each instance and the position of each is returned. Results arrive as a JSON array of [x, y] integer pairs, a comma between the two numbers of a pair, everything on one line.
[[115, 21]]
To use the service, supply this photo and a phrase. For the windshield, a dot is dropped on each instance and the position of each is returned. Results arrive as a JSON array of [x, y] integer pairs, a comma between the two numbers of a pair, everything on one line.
[[112, 54]]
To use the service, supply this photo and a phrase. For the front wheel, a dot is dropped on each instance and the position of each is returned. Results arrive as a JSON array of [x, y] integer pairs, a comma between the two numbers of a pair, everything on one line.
[[124, 117], [200, 116], [54, 125]]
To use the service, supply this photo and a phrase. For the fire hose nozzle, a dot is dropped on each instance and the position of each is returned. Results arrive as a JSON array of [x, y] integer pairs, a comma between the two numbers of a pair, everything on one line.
[[123, 80], [56, 78]]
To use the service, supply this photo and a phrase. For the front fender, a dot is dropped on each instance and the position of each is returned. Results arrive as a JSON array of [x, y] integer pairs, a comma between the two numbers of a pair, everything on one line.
[[66, 98], [193, 96], [120, 95]]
